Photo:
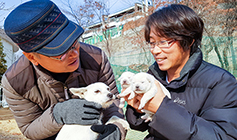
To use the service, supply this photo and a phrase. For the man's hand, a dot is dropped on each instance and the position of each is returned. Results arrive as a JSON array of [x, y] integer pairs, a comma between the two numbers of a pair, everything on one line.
[[155, 102], [76, 111], [107, 132]]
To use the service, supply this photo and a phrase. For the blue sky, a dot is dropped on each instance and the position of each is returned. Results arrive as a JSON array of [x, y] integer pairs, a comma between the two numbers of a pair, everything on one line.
[[113, 5]]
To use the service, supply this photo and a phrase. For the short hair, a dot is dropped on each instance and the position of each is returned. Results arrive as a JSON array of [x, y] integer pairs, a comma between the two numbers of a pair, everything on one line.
[[178, 22]]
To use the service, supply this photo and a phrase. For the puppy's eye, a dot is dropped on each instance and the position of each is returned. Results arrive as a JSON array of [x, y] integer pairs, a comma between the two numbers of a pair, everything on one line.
[[108, 89], [97, 91]]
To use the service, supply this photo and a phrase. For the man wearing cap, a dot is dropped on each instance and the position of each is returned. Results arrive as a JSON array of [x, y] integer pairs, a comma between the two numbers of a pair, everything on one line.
[[36, 86]]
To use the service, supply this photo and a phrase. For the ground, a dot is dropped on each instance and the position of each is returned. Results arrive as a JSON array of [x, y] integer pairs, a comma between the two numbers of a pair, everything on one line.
[[8, 126], [10, 131]]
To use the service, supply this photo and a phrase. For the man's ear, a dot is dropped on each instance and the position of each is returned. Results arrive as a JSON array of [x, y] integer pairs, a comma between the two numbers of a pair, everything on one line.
[[31, 57], [192, 43]]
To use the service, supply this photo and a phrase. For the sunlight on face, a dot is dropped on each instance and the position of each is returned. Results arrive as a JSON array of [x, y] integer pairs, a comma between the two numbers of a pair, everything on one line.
[[171, 59], [70, 64]]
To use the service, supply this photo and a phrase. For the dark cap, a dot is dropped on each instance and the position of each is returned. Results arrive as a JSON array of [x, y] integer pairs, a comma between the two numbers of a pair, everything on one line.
[[39, 26]]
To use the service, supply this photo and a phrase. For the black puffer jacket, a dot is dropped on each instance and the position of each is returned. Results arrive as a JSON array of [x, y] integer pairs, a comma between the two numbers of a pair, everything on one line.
[[203, 104]]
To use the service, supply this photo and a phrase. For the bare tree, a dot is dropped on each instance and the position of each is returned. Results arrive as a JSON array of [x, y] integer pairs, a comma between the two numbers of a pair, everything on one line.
[[88, 13], [219, 17], [2, 5], [229, 25]]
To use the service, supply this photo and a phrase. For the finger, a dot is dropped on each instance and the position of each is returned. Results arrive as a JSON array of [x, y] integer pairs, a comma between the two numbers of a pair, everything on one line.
[[89, 122], [133, 102], [126, 97], [139, 96], [89, 110], [90, 116], [118, 96], [136, 104], [93, 105]]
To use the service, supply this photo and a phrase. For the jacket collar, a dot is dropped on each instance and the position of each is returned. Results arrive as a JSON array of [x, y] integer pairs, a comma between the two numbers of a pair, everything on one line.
[[188, 70], [45, 74]]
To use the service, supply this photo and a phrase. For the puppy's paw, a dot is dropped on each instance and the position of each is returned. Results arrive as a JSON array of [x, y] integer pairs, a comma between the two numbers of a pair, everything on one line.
[[131, 96], [118, 96], [146, 117], [123, 122], [122, 103], [141, 106]]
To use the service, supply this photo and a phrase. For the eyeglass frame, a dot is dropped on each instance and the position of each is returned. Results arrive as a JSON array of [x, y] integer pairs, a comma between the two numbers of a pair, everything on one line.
[[169, 43], [64, 55]]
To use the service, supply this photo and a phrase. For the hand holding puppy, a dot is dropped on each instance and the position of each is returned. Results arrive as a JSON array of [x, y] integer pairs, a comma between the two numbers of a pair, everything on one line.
[[144, 94], [153, 104], [76, 111]]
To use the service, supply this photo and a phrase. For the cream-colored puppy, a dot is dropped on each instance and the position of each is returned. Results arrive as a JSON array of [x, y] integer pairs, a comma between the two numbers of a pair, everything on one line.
[[96, 92], [125, 81], [144, 83]]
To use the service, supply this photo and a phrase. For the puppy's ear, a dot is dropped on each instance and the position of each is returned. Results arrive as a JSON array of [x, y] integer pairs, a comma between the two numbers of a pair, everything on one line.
[[79, 92], [150, 78]]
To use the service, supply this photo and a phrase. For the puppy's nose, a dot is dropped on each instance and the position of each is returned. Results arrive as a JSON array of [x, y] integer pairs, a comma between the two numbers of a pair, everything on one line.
[[124, 82], [110, 95], [137, 87]]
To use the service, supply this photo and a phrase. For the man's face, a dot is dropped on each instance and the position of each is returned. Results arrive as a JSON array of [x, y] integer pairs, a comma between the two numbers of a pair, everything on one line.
[[171, 59], [69, 63]]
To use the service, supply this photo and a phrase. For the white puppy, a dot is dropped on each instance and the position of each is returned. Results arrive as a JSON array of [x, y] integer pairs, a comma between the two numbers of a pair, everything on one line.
[[125, 81], [144, 83], [96, 92]]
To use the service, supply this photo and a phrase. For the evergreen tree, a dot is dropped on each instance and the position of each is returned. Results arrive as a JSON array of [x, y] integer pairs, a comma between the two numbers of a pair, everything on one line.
[[3, 66]]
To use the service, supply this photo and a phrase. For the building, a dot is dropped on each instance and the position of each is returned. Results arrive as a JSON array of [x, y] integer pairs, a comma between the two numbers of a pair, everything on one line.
[[9, 48], [111, 25]]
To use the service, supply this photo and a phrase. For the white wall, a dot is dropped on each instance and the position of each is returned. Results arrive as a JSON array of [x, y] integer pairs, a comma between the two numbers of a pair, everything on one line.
[[8, 50]]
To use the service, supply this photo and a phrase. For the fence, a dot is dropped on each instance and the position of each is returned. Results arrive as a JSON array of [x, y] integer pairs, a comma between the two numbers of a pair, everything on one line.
[[222, 52]]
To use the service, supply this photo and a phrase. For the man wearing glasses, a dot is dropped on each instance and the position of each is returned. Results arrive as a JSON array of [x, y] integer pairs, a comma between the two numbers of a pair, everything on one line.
[[203, 103], [36, 86]]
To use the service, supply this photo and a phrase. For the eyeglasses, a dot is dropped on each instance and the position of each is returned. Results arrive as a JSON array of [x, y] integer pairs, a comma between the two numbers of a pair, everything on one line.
[[64, 56], [161, 44]]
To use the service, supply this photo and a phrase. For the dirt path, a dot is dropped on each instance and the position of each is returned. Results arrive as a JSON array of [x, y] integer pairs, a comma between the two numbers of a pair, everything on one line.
[[10, 131], [8, 126]]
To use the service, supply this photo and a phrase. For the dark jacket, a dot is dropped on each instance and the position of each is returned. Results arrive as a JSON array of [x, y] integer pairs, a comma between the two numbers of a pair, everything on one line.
[[31, 91], [203, 104]]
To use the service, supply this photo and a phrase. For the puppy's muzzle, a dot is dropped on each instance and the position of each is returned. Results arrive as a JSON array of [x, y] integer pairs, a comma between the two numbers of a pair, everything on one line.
[[125, 82]]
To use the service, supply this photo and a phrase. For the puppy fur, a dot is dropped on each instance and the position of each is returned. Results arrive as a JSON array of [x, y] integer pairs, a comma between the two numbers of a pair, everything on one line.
[[144, 83], [97, 92], [125, 81]]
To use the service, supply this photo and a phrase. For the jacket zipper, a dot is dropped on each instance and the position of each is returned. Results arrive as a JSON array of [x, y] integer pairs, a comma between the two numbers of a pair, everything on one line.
[[65, 91]]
